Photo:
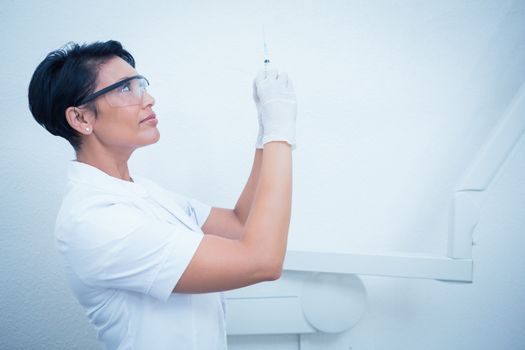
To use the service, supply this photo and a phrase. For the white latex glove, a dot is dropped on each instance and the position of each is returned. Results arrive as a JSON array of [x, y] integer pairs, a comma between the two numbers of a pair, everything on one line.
[[277, 106], [259, 142]]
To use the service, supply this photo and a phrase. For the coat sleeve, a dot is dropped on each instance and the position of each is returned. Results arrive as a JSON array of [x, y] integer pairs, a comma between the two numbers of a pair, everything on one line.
[[197, 210], [119, 246]]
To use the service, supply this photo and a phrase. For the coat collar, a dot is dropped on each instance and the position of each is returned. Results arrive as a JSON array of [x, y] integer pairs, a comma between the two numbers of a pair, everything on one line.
[[95, 178]]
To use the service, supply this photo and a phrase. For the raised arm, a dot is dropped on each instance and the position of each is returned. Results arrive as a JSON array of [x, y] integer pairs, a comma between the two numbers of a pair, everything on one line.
[[221, 263]]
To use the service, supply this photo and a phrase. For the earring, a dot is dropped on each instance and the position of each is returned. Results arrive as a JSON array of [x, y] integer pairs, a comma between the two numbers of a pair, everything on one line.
[[87, 129]]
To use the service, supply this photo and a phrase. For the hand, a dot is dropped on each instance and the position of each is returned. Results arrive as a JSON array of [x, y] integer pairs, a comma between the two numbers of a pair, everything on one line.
[[259, 142], [277, 107]]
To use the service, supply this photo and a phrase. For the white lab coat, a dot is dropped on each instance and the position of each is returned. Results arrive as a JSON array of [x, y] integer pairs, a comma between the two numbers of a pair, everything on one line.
[[125, 246]]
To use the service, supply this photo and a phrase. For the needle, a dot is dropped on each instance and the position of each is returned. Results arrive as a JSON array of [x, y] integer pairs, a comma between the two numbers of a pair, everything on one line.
[[266, 55]]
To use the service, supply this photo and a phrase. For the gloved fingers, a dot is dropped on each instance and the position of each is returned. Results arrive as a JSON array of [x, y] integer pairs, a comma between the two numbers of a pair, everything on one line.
[[289, 84], [272, 74], [254, 91], [262, 75], [283, 79]]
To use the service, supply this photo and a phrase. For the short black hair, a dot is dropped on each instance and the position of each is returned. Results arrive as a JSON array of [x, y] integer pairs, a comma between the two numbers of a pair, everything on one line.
[[65, 77]]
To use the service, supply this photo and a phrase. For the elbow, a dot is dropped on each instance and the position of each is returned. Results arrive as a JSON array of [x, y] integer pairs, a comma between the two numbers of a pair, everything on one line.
[[268, 268], [275, 275], [273, 271]]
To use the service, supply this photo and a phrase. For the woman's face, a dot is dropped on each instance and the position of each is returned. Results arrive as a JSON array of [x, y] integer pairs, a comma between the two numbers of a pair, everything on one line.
[[123, 128]]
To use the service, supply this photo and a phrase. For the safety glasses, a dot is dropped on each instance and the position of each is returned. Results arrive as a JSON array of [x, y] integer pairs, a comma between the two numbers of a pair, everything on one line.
[[126, 92]]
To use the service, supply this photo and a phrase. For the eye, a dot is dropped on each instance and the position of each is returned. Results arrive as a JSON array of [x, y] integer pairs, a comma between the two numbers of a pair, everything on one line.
[[125, 87]]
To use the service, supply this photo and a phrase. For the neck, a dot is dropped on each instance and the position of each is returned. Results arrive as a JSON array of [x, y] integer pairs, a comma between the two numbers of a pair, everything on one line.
[[112, 162]]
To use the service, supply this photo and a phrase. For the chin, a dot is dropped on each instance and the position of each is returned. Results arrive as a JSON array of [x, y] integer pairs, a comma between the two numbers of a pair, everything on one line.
[[151, 139]]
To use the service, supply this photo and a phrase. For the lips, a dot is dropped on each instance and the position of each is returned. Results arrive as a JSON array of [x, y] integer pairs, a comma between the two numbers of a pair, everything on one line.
[[151, 116]]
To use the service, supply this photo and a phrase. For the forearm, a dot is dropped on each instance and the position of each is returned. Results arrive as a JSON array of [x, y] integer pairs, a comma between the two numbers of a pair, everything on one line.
[[244, 203], [266, 228]]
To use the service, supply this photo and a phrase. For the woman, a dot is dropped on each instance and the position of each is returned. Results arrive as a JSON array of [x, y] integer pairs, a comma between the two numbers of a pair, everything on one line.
[[146, 263]]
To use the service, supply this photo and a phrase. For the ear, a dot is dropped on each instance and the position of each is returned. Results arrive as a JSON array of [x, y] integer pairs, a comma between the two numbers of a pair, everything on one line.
[[80, 120]]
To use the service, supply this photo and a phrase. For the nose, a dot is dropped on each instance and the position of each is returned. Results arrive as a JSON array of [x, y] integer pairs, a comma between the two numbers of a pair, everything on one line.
[[147, 99]]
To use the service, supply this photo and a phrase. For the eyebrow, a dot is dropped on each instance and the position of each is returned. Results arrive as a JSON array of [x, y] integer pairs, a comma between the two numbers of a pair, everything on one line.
[[118, 81], [126, 77]]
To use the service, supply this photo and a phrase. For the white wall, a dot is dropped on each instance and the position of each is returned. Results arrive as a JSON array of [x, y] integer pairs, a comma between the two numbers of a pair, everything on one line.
[[395, 98]]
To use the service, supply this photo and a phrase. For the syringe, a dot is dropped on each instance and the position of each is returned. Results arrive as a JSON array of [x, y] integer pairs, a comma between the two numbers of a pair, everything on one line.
[[266, 55]]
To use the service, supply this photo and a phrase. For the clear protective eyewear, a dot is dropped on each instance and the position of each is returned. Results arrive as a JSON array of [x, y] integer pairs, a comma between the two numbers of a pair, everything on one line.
[[126, 92]]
